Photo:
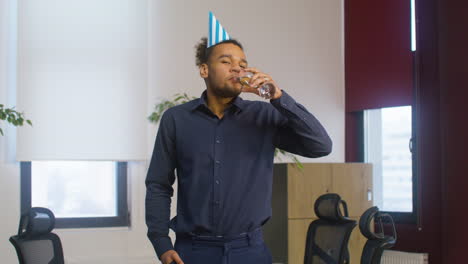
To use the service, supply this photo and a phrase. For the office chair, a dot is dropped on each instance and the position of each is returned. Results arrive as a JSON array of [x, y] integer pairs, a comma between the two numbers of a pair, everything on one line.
[[377, 241], [34, 243], [328, 236]]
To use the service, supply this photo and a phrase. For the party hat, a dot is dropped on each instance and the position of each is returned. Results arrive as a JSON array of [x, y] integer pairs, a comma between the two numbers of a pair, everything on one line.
[[216, 32]]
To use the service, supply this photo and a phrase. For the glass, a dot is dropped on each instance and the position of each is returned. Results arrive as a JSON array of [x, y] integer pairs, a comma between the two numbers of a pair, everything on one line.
[[265, 91], [75, 188], [387, 137]]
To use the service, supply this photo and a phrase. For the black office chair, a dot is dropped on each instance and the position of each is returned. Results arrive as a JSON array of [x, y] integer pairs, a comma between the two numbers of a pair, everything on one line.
[[377, 241], [328, 236], [34, 243]]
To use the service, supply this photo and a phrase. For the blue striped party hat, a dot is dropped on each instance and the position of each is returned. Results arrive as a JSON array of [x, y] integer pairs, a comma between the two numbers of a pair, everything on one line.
[[216, 32]]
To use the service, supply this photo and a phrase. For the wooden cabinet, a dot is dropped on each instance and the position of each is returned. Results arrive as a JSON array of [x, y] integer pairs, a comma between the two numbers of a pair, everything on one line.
[[294, 195]]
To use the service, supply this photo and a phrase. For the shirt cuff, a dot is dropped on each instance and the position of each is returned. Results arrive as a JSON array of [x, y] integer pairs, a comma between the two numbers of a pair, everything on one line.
[[162, 245], [284, 101]]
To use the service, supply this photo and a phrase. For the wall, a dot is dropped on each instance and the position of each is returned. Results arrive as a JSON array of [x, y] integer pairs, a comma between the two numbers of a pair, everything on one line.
[[300, 43], [452, 53], [9, 171]]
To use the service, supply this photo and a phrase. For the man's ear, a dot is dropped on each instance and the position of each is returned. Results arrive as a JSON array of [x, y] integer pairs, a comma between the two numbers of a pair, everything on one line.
[[203, 70]]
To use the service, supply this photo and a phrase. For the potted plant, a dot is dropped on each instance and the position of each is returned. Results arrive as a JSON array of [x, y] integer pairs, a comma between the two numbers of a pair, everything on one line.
[[10, 115]]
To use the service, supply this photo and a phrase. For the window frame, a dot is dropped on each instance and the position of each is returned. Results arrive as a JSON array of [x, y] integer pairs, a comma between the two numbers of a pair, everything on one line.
[[123, 215], [399, 217]]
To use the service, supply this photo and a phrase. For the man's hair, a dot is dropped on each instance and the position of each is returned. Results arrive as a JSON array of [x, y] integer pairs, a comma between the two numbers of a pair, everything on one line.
[[203, 53]]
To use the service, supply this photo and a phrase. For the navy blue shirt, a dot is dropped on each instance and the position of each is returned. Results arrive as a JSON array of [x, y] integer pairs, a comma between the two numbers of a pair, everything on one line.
[[224, 166]]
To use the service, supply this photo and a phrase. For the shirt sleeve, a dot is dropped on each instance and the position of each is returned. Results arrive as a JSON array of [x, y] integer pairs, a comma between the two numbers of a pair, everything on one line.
[[299, 131], [159, 191]]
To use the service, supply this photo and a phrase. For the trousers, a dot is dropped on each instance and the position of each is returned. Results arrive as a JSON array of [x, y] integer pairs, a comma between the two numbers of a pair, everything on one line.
[[246, 248]]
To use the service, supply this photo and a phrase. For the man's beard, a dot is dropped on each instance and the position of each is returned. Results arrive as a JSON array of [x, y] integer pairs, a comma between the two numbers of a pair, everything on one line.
[[226, 92]]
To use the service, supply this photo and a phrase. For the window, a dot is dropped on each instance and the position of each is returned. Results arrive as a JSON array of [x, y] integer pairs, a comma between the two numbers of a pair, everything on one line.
[[387, 145], [413, 26], [80, 193]]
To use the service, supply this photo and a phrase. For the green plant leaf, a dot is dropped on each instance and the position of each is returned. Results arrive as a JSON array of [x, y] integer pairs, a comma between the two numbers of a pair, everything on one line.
[[1, 131], [179, 98], [297, 163], [12, 116]]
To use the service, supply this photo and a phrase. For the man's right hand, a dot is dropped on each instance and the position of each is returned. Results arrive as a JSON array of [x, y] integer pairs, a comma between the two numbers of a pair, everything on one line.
[[171, 257]]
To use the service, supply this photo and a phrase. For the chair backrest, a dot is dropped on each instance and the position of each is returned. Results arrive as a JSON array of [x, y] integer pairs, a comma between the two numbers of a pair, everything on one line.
[[377, 241], [328, 236], [34, 243]]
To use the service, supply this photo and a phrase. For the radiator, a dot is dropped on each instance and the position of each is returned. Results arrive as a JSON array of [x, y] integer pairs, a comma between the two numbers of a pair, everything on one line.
[[400, 257]]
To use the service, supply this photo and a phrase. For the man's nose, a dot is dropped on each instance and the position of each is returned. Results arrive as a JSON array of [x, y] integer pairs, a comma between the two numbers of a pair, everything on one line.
[[236, 68]]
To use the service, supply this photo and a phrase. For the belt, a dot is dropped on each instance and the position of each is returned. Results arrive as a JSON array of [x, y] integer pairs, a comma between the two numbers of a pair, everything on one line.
[[226, 242]]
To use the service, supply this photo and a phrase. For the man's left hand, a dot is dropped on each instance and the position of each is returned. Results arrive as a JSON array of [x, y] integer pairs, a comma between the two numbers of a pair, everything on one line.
[[258, 79]]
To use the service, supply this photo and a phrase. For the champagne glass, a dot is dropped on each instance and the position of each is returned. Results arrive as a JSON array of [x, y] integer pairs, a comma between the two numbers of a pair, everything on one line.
[[266, 90]]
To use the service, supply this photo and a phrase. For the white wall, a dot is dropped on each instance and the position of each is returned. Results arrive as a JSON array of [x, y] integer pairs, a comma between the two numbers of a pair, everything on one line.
[[9, 171], [299, 42]]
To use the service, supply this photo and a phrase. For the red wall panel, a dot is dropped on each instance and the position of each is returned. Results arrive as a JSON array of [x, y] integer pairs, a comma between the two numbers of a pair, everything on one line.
[[453, 58]]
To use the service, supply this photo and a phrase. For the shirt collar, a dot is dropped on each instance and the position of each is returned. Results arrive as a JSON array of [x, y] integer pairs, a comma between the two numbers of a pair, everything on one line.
[[238, 102]]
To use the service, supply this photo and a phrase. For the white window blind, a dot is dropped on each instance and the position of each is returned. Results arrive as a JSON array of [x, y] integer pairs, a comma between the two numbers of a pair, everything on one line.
[[82, 77]]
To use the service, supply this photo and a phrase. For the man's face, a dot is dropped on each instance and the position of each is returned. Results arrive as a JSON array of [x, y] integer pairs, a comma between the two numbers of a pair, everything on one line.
[[225, 64]]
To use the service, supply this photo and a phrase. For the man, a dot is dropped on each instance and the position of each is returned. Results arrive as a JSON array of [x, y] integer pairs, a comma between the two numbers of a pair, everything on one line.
[[222, 148]]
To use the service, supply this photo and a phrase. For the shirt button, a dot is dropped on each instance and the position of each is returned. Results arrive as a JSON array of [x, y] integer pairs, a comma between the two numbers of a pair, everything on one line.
[[217, 181], [217, 162], [218, 141], [283, 104]]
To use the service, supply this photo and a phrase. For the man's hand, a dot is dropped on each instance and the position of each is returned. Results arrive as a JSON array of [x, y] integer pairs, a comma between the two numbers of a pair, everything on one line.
[[171, 257], [258, 79]]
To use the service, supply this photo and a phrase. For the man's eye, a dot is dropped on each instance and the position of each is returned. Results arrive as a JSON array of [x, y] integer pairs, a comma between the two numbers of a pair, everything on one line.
[[225, 62], [243, 66]]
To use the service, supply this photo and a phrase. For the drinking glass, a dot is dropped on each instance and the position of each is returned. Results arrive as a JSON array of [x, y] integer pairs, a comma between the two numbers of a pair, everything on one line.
[[266, 90]]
